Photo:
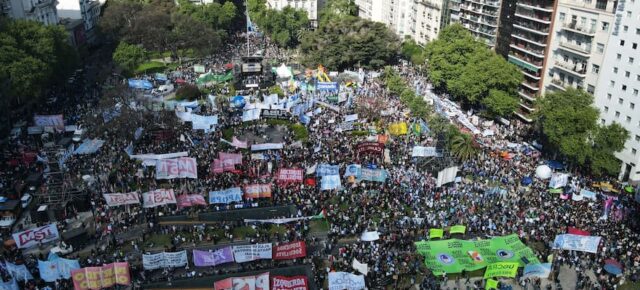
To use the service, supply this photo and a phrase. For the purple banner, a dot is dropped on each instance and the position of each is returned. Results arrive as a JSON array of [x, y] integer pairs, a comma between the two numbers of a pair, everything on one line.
[[217, 257]]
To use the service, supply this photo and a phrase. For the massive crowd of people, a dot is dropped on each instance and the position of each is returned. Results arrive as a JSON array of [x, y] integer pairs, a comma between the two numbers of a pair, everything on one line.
[[489, 198]]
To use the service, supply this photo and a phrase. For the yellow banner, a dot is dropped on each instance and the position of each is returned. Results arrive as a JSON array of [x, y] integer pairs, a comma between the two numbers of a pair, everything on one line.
[[399, 128], [436, 233]]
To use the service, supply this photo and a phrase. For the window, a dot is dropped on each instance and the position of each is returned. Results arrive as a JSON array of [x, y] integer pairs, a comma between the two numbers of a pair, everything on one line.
[[617, 114], [608, 96], [606, 109], [634, 45], [632, 105], [612, 83], [562, 15], [615, 70], [591, 89], [631, 60], [633, 151], [602, 121], [627, 74], [620, 101], [628, 13], [635, 92], [624, 88], [637, 137], [618, 56], [605, 26], [600, 48], [628, 119], [638, 31], [625, 28], [595, 68], [622, 42]]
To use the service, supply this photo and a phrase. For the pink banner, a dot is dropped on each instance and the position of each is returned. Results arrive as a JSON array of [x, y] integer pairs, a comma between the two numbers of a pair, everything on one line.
[[575, 231], [101, 277], [158, 197], [187, 200], [257, 282], [289, 283], [239, 144], [230, 158], [289, 175], [117, 199], [183, 167]]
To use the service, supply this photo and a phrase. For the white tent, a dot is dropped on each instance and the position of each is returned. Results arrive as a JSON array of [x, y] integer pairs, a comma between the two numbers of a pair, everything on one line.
[[283, 72], [543, 172]]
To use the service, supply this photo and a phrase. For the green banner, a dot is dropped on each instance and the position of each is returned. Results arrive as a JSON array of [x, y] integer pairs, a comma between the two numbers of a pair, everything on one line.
[[209, 77], [502, 269], [332, 98], [454, 255], [458, 229], [491, 284], [436, 233]]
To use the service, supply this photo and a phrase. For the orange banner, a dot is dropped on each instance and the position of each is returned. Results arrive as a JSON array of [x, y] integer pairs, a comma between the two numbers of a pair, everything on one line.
[[101, 277]]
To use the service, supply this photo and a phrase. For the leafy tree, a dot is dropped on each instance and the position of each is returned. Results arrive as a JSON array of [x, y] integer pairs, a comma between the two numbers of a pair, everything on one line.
[[188, 92], [336, 9], [607, 140], [567, 118], [129, 56], [449, 53], [348, 42], [499, 103], [462, 145], [218, 16]]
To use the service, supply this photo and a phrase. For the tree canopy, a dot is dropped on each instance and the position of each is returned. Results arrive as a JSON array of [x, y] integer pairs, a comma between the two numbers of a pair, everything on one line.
[[283, 26], [129, 56]]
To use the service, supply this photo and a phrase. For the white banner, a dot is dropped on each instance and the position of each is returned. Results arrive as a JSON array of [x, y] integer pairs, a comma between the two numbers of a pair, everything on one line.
[[33, 237], [246, 253], [572, 242], [420, 151], [558, 180], [276, 221], [360, 267], [183, 167], [447, 175], [56, 121], [152, 156], [164, 260], [267, 146], [370, 236], [117, 199], [343, 280], [158, 197], [250, 115], [351, 118]]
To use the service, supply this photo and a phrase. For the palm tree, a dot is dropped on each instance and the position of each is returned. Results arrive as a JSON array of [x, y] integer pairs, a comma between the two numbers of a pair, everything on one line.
[[463, 146]]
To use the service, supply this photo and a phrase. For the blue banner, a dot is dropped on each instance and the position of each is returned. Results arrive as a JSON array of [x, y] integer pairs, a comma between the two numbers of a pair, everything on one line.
[[326, 169], [537, 270], [327, 86], [226, 196], [572, 242], [353, 170], [57, 268], [89, 146], [378, 175], [9, 285], [140, 84], [19, 272], [330, 182]]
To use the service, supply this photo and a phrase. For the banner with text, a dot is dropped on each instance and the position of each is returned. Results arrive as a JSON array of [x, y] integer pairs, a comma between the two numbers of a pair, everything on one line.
[[257, 282], [501, 269], [158, 197], [287, 175], [33, 237], [213, 258], [101, 277], [247, 253], [183, 167], [326, 169], [370, 147], [378, 175], [164, 260], [572, 242], [118, 199], [56, 121], [226, 196], [344, 280], [289, 283], [289, 251], [188, 200]]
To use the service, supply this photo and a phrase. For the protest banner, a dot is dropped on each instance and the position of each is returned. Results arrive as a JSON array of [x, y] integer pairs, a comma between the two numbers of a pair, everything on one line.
[[213, 258], [457, 229], [275, 114], [436, 233], [19, 272], [230, 158], [399, 128], [289, 251], [239, 144], [158, 197], [89, 146], [454, 255], [101, 277], [360, 267], [56, 121], [289, 283], [351, 118], [226, 196], [118, 199], [501, 269], [164, 260], [344, 127], [277, 221], [446, 175], [247, 253], [344, 280], [288, 175], [257, 190], [370, 236], [250, 115], [354, 170], [420, 151], [267, 146], [183, 167], [152, 156], [369, 147], [188, 200], [330, 182], [377, 175], [257, 282], [491, 284], [327, 169], [537, 270], [558, 180], [327, 86], [56, 268], [35, 236], [572, 242], [579, 232]]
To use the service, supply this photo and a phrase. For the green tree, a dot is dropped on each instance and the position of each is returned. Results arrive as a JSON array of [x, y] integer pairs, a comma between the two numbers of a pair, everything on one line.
[[449, 54], [412, 51], [336, 9], [218, 16], [188, 92], [129, 56], [350, 42], [462, 145], [606, 141], [500, 103], [567, 118]]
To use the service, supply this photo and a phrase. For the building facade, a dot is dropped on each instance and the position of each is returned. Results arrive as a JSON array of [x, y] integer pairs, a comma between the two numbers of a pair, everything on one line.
[[430, 19], [580, 35], [480, 17], [86, 10], [617, 91], [43, 11], [310, 6]]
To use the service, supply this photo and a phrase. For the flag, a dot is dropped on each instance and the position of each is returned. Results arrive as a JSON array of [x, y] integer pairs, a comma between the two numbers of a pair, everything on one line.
[[491, 284], [321, 215], [20, 272], [48, 270], [9, 285]]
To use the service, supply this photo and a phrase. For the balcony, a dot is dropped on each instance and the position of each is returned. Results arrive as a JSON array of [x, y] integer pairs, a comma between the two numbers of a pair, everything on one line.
[[531, 74], [485, 2], [581, 50], [472, 9], [562, 84], [536, 6], [530, 85], [428, 4], [558, 84], [527, 108], [528, 96], [528, 49], [540, 17], [478, 29], [525, 61], [580, 29], [532, 28], [539, 41], [522, 115], [579, 69]]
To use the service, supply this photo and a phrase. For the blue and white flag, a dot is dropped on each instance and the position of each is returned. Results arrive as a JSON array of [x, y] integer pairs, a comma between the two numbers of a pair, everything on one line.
[[353, 170], [538, 270], [572, 242], [226, 196], [326, 169], [48, 270], [19, 272], [330, 182], [9, 285], [378, 175]]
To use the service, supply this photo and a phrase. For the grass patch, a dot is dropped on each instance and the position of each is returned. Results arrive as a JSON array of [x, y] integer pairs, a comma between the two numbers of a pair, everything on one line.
[[276, 229], [629, 286], [150, 67], [243, 232], [227, 133], [158, 240], [319, 226], [359, 133]]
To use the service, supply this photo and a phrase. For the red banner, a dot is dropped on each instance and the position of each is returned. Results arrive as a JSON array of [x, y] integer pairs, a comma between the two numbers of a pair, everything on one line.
[[370, 147], [289, 283], [257, 282], [290, 251], [257, 190], [575, 231], [289, 175], [187, 200]]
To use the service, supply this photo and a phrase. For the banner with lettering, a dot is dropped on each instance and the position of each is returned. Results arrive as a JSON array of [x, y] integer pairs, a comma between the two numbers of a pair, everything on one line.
[[262, 190], [247, 253], [572, 242], [164, 260], [188, 200], [101, 277], [35, 236], [230, 158], [289, 283], [257, 282], [56, 121], [183, 167], [275, 114], [289, 251], [327, 169], [370, 147], [118, 199], [377, 175], [344, 280], [420, 151], [501, 269], [267, 146], [454, 255], [288, 175], [158, 197], [226, 196], [212, 258], [354, 170]]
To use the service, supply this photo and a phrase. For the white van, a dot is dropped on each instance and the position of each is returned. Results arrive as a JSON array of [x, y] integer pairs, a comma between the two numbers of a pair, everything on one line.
[[26, 200]]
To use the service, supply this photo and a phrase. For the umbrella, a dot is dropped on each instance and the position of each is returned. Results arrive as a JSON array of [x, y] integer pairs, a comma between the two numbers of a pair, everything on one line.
[[553, 164], [543, 172], [526, 180], [613, 267]]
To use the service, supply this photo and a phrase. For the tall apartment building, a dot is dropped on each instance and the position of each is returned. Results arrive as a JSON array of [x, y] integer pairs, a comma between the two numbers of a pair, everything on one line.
[[43, 11], [580, 34], [617, 94], [86, 10], [480, 17], [311, 6], [528, 47], [431, 17]]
